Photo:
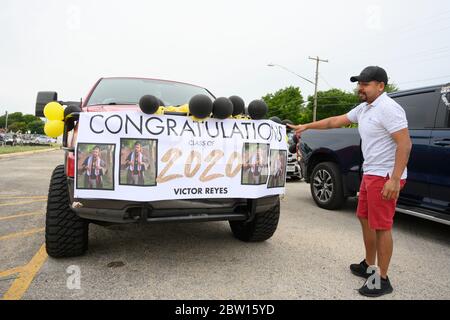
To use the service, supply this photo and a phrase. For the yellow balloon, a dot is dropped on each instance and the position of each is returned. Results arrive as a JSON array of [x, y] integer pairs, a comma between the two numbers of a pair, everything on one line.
[[198, 119], [241, 117], [171, 109], [160, 110], [54, 111], [184, 108], [54, 128]]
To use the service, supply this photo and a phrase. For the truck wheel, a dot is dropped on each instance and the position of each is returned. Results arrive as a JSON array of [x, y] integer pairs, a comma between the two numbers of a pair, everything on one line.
[[66, 234], [261, 228], [326, 185]]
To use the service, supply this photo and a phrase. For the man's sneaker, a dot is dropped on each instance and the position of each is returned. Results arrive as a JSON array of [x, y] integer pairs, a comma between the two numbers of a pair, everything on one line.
[[373, 292], [360, 269]]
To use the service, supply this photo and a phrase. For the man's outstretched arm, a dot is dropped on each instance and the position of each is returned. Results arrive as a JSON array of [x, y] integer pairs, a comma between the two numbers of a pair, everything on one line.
[[328, 123]]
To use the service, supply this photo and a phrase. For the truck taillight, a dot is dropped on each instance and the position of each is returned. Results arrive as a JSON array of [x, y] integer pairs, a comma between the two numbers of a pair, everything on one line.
[[70, 165]]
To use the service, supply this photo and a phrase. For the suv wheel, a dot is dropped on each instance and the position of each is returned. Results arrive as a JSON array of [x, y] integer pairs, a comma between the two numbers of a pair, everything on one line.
[[326, 186], [261, 228], [66, 234]]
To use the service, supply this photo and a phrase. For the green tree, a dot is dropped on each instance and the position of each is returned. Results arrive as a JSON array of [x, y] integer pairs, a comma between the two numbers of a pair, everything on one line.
[[16, 121], [391, 87], [36, 126], [286, 103], [15, 117], [331, 103], [28, 118], [18, 126]]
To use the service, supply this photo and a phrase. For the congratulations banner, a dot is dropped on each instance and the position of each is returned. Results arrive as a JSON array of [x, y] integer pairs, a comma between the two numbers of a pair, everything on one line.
[[139, 157]]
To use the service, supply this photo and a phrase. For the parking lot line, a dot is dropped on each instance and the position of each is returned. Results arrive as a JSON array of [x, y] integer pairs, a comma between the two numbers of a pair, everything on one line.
[[23, 202], [10, 272], [26, 276], [20, 215], [21, 234], [2, 197]]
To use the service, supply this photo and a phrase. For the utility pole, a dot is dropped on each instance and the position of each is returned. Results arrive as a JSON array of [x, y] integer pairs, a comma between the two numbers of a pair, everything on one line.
[[6, 124], [315, 84]]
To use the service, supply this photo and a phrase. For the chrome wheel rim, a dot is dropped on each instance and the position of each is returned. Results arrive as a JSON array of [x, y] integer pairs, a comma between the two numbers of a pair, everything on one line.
[[323, 185]]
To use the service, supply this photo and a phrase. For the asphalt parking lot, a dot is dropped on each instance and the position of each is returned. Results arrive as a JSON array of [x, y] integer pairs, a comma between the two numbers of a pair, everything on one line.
[[307, 258]]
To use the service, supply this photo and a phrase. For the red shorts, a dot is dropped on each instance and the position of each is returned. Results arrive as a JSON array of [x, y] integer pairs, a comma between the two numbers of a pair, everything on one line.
[[371, 205]]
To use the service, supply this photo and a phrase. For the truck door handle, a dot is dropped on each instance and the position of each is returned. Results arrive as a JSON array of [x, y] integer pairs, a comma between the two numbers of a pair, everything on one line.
[[442, 143]]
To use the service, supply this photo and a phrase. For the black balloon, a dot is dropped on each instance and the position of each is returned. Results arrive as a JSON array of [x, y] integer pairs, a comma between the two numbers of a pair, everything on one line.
[[238, 105], [276, 119], [293, 148], [257, 109], [149, 104], [70, 122], [287, 121], [200, 106], [295, 138], [222, 108], [70, 109]]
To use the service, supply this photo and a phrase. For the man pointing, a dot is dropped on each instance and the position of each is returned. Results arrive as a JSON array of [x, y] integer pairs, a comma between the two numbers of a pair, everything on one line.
[[386, 146]]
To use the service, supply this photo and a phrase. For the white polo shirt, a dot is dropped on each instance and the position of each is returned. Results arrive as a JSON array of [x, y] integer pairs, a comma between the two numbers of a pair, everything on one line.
[[376, 123]]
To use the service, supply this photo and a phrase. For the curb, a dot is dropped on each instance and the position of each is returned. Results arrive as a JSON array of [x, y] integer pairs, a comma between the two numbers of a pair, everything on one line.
[[16, 154]]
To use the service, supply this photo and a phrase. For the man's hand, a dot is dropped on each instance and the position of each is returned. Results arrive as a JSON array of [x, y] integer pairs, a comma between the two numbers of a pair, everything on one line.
[[391, 189], [298, 128]]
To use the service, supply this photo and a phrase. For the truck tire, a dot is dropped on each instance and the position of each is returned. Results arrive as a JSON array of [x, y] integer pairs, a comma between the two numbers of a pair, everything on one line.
[[261, 228], [326, 186], [66, 234]]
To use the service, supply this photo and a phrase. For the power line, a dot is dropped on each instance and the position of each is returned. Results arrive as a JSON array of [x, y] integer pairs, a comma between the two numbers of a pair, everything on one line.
[[420, 54], [421, 80], [329, 85], [416, 24], [425, 20]]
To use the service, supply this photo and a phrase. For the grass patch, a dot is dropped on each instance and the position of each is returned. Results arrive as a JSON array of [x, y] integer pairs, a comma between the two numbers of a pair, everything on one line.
[[15, 149]]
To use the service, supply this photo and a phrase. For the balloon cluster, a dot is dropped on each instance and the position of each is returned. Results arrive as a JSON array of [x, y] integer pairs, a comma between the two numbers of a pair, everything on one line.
[[201, 107], [293, 147], [54, 112], [56, 115]]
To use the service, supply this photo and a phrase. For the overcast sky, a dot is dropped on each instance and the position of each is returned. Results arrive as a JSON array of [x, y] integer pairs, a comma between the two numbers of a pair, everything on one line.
[[225, 46]]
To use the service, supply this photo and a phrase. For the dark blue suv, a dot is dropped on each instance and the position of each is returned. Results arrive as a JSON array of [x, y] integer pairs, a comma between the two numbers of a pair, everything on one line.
[[333, 158]]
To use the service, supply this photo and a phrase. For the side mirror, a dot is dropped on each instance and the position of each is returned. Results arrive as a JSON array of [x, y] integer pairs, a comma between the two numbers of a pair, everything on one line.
[[42, 99]]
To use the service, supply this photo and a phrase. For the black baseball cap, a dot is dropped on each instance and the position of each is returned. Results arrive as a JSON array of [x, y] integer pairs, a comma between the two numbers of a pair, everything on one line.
[[372, 73]]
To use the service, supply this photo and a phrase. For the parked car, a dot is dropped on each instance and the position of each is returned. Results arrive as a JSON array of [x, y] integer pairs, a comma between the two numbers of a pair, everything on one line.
[[43, 140], [18, 139], [333, 158], [67, 224], [10, 139], [294, 170]]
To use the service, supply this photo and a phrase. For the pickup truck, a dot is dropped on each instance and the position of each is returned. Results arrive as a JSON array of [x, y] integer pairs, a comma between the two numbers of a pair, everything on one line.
[[333, 158], [68, 217]]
